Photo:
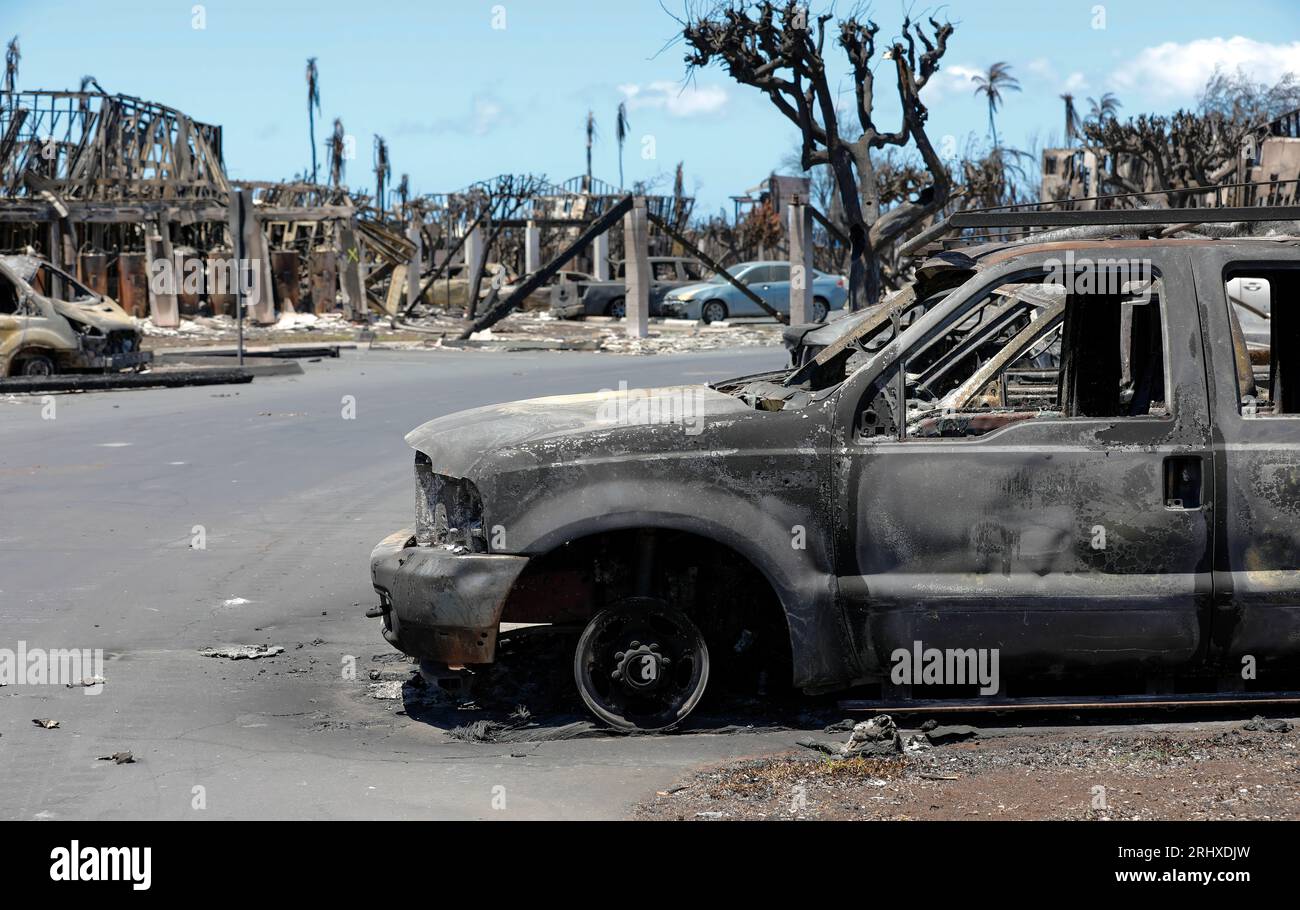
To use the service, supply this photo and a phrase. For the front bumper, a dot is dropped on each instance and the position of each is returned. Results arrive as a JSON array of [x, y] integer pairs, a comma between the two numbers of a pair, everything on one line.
[[440, 605], [109, 363], [571, 310]]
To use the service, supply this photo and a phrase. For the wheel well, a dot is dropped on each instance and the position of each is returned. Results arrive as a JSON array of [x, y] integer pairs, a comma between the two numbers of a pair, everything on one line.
[[610, 306], [22, 354], [725, 595], [726, 310]]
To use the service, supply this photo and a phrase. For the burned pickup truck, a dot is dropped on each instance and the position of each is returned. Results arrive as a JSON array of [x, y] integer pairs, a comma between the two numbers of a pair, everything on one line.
[[51, 323], [1059, 451]]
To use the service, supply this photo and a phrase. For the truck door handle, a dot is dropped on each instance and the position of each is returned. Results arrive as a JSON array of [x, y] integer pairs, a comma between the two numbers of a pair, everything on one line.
[[1183, 482]]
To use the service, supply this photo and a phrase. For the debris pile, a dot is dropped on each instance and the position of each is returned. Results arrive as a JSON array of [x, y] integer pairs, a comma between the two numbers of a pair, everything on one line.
[[243, 652], [879, 737]]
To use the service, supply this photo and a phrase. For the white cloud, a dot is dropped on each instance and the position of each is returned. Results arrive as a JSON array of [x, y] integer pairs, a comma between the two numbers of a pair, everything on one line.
[[677, 100], [1173, 70], [950, 80], [1041, 66], [1044, 71], [485, 113]]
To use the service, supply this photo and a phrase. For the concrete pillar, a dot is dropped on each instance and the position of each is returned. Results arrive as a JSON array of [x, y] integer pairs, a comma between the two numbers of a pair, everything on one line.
[[473, 253], [801, 263], [600, 257], [349, 252], [163, 309], [261, 302], [636, 244], [532, 248]]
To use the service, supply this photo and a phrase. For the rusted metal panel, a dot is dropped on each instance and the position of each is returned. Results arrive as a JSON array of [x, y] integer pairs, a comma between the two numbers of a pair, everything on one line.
[[133, 284], [284, 273], [322, 268], [222, 296], [93, 271]]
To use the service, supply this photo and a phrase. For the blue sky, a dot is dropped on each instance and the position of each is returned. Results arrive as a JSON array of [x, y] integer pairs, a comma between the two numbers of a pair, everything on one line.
[[459, 99]]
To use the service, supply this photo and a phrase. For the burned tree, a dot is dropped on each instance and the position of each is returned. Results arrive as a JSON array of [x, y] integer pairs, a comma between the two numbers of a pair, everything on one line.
[[1165, 159], [777, 49]]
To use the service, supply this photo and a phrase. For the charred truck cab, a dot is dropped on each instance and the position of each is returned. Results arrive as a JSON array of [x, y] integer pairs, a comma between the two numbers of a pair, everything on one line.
[[1064, 453], [51, 323]]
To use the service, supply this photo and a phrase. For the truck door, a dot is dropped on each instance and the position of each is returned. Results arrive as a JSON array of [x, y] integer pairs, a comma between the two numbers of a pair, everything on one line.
[[1060, 520], [1254, 352]]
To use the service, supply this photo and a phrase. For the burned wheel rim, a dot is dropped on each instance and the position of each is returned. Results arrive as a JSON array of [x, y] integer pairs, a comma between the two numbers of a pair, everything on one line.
[[713, 312], [641, 665], [617, 309], [39, 365]]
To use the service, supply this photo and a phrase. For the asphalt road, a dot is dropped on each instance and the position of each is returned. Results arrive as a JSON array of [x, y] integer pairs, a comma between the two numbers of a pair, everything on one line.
[[98, 513]]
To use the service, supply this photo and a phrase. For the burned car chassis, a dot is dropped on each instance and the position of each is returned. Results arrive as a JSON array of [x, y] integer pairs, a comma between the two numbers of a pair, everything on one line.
[[1137, 531]]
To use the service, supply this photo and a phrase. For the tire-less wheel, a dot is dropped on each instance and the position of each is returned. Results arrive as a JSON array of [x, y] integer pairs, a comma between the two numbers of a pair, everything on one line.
[[36, 365], [641, 665], [617, 308], [713, 311], [820, 309]]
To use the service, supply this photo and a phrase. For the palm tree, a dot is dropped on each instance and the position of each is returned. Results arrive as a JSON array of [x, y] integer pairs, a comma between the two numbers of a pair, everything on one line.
[[992, 84], [12, 56], [383, 170], [404, 191], [620, 133], [591, 136], [1107, 106], [337, 152], [313, 101], [1071, 119]]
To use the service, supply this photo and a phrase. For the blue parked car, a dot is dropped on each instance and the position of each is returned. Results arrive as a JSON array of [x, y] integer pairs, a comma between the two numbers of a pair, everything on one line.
[[717, 299]]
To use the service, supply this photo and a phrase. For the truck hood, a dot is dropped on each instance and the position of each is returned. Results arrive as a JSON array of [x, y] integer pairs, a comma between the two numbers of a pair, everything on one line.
[[103, 314], [460, 444]]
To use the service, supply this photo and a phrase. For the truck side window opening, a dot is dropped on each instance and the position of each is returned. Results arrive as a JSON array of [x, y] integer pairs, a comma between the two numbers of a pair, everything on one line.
[[1264, 338], [1030, 350], [8, 296]]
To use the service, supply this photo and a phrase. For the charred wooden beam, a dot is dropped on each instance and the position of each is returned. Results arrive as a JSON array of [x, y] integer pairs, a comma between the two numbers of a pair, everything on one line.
[[500, 310]]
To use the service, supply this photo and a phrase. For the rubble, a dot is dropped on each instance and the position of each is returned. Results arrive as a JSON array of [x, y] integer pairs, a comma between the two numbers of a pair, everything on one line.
[[119, 758], [875, 737], [1258, 723], [45, 723], [243, 652], [87, 682], [386, 690], [1169, 773]]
